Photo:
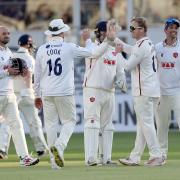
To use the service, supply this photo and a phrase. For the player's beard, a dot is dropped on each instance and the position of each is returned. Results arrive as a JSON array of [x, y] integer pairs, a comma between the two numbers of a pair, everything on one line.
[[5, 41]]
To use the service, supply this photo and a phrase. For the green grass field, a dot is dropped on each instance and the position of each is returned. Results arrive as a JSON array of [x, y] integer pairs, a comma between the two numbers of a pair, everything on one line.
[[76, 170]]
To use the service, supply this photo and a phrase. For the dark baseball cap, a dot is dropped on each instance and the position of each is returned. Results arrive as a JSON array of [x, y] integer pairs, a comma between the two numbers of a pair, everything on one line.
[[171, 21]]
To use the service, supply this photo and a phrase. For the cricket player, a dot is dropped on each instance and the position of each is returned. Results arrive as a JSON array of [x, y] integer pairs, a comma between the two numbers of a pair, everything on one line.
[[168, 56], [99, 99], [146, 92], [54, 82], [8, 105], [25, 98], [4, 138]]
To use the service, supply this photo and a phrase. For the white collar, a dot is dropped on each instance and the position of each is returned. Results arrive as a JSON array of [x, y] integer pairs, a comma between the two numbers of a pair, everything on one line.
[[55, 38], [22, 49], [173, 45]]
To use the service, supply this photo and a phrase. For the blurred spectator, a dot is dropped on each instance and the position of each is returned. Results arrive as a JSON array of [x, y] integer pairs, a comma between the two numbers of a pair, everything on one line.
[[44, 13], [110, 6], [67, 16], [40, 18], [89, 9], [30, 18], [13, 8]]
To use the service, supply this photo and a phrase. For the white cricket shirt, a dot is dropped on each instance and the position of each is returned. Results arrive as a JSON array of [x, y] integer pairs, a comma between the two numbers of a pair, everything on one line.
[[54, 67], [100, 73], [6, 81], [169, 68], [19, 81], [143, 66]]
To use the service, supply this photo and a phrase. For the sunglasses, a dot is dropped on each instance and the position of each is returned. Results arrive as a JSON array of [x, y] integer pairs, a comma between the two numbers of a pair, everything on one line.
[[132, 28]]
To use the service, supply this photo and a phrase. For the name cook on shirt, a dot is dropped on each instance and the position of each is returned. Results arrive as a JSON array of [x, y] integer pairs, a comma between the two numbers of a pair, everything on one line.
[[51, 51]]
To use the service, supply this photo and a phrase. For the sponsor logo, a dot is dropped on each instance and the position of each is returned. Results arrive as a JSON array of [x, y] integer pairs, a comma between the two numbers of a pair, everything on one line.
[[47, 46], [109, 62], [167, 65]]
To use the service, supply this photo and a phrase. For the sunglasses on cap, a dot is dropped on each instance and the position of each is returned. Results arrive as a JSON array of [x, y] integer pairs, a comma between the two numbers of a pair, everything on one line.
[[132, 28]]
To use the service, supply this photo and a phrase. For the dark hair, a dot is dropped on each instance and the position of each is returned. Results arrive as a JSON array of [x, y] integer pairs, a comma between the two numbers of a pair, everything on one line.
[[141, 21]]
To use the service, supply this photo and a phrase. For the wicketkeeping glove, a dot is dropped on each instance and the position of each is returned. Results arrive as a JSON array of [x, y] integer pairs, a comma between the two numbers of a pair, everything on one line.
[[19, 64], [122, 85]]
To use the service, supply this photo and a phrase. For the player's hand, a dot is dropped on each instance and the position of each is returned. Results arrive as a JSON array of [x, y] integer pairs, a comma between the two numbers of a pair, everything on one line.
[[118, 48], [12, 71], [85, 34], [111, 30], [38, 103]]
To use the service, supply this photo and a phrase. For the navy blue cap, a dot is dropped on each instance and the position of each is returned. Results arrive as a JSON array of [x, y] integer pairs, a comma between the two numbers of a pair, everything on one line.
[[101, 26], [171, 21], [24, 39]]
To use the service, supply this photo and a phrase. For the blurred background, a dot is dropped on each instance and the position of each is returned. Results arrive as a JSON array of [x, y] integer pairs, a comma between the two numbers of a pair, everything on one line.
[[33, 17]]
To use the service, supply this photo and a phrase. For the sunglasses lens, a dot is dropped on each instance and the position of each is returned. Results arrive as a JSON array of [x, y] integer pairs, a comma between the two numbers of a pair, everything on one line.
[[132, 28]]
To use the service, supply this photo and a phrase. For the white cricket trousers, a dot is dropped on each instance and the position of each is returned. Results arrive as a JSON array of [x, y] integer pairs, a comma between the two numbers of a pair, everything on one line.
[[9, 110], [166, 104], [63, 107], [99, 106], [5, 136], [145, 108], [30, 114]]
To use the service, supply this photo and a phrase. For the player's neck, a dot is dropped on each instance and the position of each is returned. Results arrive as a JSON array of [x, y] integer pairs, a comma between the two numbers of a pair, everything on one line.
[[170, 41]]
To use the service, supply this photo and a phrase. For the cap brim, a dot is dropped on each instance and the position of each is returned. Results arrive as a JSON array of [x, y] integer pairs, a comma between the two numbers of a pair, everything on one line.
[[64, 29]]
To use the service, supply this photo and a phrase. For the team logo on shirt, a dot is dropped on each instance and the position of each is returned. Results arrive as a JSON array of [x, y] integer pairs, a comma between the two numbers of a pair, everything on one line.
[[175, 54], [114, 53], [92, 99]]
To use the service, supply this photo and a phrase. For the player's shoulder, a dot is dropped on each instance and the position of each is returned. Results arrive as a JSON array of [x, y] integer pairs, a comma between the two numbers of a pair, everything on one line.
[[159, 45], [41, 47], [144, 45], [178, 43], [143, 42], [8, 50]]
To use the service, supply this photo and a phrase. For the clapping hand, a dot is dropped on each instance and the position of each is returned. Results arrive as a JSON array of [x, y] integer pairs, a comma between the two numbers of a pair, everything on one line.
[[111, 30]]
